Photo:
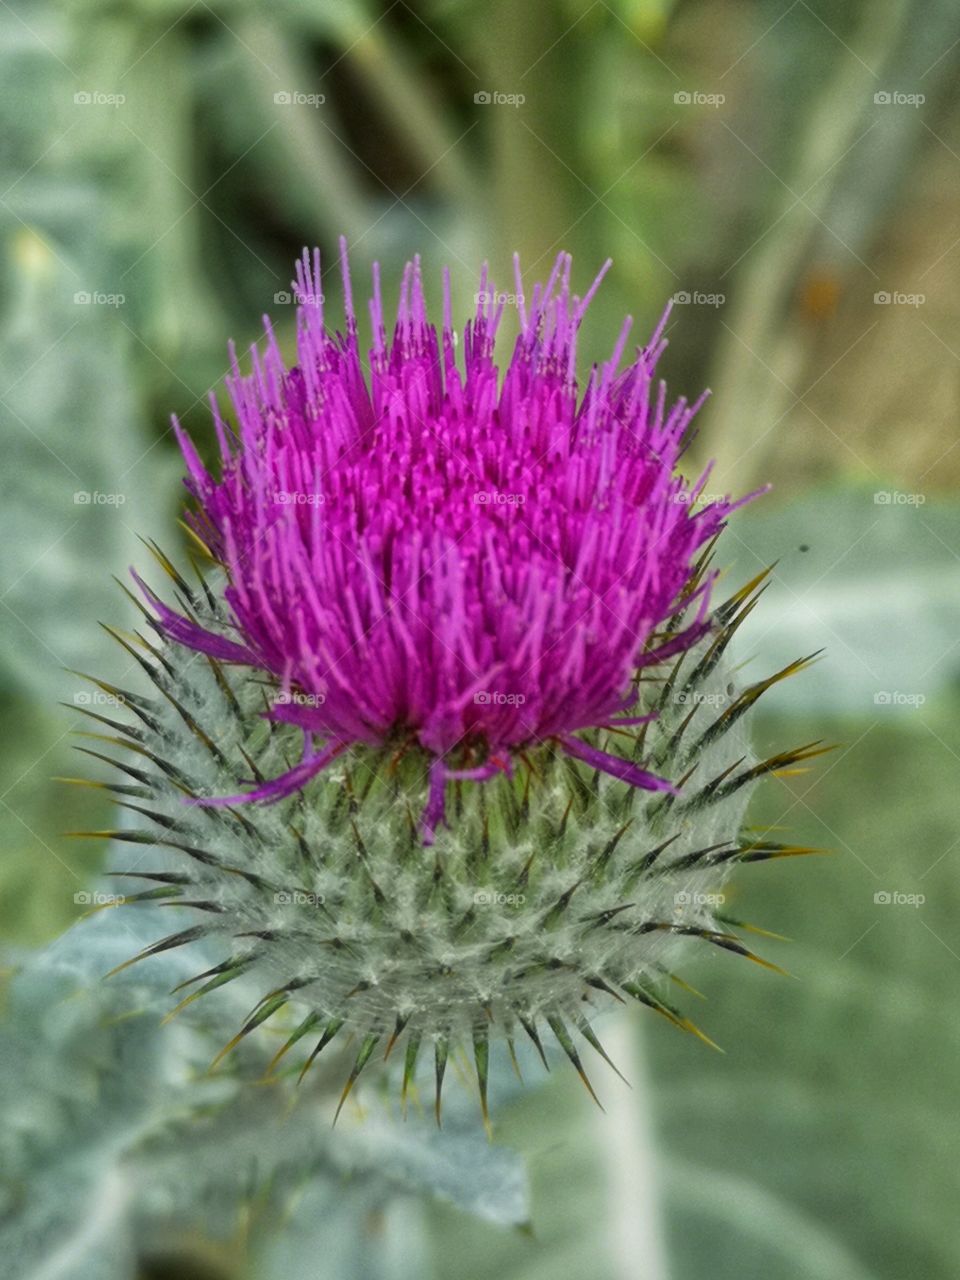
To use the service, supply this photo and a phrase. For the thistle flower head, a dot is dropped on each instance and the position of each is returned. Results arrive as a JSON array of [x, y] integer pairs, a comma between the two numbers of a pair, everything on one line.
[[450, 561], [479, 607]]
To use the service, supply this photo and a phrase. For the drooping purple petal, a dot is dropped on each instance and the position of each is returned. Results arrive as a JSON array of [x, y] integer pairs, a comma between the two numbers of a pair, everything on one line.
[[191, 634], [631, 720], [434, 810], [433, 813], [615, 766], [277, 788]]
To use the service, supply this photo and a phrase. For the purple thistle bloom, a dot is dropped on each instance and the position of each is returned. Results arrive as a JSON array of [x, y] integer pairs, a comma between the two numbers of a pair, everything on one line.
[[443, 559], [460, 587]]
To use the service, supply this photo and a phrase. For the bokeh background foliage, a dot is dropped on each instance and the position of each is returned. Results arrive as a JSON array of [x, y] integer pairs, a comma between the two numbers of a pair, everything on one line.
[[773, 162]]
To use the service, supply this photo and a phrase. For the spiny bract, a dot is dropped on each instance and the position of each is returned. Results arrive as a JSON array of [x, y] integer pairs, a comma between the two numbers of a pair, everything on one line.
[[463, 866]]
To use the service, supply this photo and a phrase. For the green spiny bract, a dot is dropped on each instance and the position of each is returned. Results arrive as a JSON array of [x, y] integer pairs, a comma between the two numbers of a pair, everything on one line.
[[547, 897]]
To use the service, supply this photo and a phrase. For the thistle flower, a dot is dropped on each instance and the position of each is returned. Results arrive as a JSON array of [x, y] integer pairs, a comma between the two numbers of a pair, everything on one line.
[[482, 606]]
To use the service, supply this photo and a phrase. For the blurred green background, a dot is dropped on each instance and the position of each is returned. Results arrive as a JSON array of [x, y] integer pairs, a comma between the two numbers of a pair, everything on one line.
[[790, 173]]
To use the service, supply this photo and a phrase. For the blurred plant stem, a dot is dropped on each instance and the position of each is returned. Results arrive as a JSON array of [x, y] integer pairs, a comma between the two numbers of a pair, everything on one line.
[[167, 269], [318, 175], [635, 1231], [529, 198], [762, 353], [322, 177], [410, 104]]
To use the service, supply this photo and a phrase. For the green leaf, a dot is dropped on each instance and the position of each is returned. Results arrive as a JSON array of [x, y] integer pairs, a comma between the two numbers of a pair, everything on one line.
[[868, 573], [112, 1137]]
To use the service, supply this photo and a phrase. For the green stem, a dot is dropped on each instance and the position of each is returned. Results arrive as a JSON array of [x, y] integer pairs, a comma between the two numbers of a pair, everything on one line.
[[635, 1228]]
